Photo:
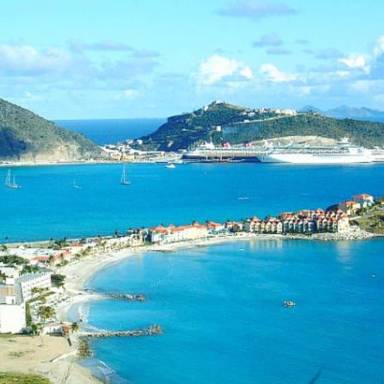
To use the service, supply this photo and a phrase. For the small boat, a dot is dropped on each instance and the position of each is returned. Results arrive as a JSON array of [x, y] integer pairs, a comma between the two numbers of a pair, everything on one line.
[[289, 303], [75, 185], [171, 166], [10, 182], [124, 180]]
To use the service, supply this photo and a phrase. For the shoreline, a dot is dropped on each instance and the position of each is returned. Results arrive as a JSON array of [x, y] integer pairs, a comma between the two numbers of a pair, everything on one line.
[[79, 272], [66, 365]]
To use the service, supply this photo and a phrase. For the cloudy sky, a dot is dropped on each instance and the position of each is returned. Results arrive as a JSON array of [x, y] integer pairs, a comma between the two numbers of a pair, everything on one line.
[[153, 58]]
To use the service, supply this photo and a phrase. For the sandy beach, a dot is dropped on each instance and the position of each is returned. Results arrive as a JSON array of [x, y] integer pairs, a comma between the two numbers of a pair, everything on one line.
[[48, 356]]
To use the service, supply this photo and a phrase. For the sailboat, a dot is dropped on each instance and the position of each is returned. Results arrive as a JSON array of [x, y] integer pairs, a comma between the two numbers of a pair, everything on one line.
[[10, 182], [124, 180]]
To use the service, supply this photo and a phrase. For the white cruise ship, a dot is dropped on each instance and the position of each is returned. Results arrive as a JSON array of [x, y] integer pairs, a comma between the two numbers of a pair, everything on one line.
[[342, 153]]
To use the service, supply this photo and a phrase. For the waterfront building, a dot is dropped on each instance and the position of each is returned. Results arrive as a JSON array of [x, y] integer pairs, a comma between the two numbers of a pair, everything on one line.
[[349, 207], [12, 318], [30, 281], [9, 273], [12, 309], [234, 226], [364, 199], [215, 228], [172, 233]]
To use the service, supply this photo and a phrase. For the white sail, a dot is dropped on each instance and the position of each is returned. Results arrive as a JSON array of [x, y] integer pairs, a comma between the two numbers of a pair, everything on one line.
[[124, 180], [10, 182]]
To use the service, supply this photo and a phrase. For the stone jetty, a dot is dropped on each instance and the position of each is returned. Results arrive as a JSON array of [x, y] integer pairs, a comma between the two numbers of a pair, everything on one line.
[[119, 296], [152, 330]]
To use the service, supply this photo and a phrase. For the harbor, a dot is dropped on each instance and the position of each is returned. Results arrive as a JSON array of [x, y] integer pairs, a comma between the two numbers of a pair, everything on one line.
[[342, 152]]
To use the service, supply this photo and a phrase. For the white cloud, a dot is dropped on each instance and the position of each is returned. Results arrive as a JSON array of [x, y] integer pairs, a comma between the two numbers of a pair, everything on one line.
[[273, 74], [27, 60], [217, 68], [355, 61], [379, 47]]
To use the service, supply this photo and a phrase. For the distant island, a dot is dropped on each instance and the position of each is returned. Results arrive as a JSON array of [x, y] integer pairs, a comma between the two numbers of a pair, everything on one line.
[[222, 122], [25, 136]]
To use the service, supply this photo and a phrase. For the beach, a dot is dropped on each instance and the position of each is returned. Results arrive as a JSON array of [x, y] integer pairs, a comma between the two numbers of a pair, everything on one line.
[[52, 356], [48, 356]]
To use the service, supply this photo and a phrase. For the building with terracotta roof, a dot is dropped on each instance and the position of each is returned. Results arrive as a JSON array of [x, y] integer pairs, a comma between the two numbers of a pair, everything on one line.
[[364, 200]]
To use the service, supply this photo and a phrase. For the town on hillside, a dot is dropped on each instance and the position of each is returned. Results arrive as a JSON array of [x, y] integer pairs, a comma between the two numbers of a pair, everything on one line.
[[31, 286]]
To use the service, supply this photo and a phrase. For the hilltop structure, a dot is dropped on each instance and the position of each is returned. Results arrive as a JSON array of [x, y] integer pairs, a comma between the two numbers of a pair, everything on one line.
[[220, 122]]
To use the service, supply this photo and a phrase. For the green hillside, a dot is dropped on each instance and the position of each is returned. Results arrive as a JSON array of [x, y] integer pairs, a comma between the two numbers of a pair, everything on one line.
[[225, 122], [27, 136]]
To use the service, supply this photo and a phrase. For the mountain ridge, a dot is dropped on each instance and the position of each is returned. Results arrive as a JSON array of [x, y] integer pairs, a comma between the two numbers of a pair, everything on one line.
[[26, 136], [220, 122]]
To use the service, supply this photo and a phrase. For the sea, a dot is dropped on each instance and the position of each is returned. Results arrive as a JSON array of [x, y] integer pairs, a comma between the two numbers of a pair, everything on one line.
[[111, 131], [220, 306]]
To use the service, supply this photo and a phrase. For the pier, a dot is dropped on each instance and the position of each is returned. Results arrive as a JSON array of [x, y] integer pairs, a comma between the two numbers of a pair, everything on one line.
[[153, 330], [120, 296]]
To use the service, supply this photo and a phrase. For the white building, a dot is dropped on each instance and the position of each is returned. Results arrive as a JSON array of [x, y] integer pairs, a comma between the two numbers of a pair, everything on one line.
[[172, 234], [12, 318], [30, 281], [10, 273], [12, 310]]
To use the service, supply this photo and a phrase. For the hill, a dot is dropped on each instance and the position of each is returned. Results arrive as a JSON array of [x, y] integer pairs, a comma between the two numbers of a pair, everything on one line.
[[222, 122], [28, 137]]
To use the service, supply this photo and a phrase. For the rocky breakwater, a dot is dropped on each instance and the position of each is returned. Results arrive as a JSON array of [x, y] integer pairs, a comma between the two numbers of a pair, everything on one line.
[[353, 233], [153, 330]]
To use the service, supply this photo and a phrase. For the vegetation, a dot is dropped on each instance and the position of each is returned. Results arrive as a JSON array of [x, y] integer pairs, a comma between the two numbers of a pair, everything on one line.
[[30, 269], [57, 280], [18, 378], [11, 260], [222, 122], [84, 350], [59, 244], [75, 327], [28, 316], [24, 134], [372, 219], [46, 312]]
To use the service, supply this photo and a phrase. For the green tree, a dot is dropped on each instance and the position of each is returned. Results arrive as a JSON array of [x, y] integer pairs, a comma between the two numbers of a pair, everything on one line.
[[57, 280], [46, 312]]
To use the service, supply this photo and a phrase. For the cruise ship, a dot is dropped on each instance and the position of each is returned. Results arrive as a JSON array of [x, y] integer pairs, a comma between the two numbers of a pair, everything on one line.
[[342, 153]]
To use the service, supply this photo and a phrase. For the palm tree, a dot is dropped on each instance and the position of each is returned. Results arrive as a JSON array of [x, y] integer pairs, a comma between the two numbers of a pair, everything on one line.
[[75, 327], [46, 312]]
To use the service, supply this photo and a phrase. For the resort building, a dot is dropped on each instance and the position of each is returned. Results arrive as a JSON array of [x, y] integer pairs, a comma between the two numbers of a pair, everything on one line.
[[364, 200], [349, 207], [215, 228], [8, 274], [12, 309], [172, 234], [304, 221], [30, 281], [12, 318]]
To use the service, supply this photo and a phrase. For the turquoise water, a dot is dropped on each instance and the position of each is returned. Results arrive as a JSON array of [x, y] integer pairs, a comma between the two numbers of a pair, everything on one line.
[[48, 206], [220, 307], [223, 322]]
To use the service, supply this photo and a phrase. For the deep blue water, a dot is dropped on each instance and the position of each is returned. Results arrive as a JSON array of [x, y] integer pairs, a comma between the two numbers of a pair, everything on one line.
[[48, 206], [220, 308], [109, 131]]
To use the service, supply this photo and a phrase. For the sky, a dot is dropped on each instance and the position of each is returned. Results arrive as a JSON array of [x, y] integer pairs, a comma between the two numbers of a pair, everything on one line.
[[78, 59]]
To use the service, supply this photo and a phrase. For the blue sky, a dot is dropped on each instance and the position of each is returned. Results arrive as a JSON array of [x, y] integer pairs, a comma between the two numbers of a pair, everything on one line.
[[154, 58]]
